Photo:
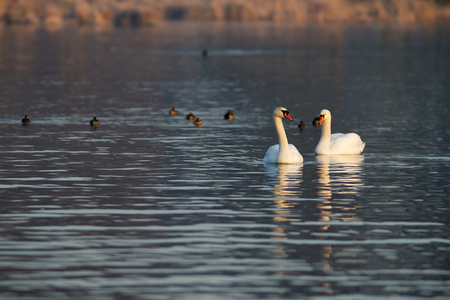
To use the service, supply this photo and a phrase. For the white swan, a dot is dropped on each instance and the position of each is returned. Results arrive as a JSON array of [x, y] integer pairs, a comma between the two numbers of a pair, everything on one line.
[[337, 143], [282, 153]]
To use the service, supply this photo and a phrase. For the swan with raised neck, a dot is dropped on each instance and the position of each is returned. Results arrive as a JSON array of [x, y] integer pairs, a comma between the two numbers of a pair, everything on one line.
[[337, 143], [283, 152]]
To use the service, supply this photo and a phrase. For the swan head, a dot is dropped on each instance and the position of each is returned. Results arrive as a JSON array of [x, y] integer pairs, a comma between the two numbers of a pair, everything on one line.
[[281, 112], [324, 115]]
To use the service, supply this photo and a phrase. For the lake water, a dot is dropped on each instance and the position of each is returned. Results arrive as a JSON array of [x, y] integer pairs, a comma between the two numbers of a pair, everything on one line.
[[148, 206]]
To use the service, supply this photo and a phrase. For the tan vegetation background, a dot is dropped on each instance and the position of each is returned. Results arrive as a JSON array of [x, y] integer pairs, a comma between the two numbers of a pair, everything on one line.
[[151, 12]]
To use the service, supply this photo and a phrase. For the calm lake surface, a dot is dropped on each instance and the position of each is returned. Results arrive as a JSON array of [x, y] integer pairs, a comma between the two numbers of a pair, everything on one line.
[[148, 206]]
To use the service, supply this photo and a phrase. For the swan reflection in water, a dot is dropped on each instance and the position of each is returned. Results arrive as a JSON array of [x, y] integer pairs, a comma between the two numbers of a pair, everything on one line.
[[338, 175], [286, 180]]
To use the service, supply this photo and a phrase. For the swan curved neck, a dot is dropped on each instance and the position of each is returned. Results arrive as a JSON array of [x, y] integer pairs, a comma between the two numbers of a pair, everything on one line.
[[282, 138], [326, 129], [323, 147]]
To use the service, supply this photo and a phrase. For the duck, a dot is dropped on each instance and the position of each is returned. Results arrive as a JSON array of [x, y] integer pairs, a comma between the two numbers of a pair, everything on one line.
[[190, 116], [26, 120], [229, 116], [205, 52], [283, 152], [301, 125], [174, 112], [337, 143], [198, 122], [315, 122], [95, 122]]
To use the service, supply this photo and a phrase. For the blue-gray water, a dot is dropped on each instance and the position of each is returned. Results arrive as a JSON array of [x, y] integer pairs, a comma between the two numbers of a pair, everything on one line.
[[148, 206]]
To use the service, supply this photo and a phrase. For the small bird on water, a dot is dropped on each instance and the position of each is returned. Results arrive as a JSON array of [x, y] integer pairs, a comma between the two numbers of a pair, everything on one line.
[[301, 125], [190, 116], [26, 120], [174, 112], [198, 122], [95, 122], [229, 116], [316, 123]]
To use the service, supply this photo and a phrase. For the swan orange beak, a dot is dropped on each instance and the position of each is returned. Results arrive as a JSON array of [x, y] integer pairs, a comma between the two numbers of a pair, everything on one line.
[[286, 115], [321, 120]]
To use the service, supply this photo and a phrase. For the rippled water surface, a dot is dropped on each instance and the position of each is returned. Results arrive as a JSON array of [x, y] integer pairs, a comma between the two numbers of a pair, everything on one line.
[[148, 206]]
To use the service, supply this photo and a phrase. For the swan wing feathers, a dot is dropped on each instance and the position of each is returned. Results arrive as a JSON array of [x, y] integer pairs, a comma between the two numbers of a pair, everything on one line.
[[271, 156], [295, 155], [349, 143]]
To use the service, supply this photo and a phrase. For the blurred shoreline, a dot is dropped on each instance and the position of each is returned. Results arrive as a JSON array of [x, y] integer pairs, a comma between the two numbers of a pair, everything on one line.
[[137, 13]]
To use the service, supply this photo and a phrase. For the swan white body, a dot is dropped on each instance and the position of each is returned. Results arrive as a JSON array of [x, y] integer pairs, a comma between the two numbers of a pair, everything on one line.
[[283, 152], [337, 143]]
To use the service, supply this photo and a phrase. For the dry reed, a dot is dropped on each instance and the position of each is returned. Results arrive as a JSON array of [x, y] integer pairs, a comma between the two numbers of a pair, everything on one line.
[[150, 12]]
